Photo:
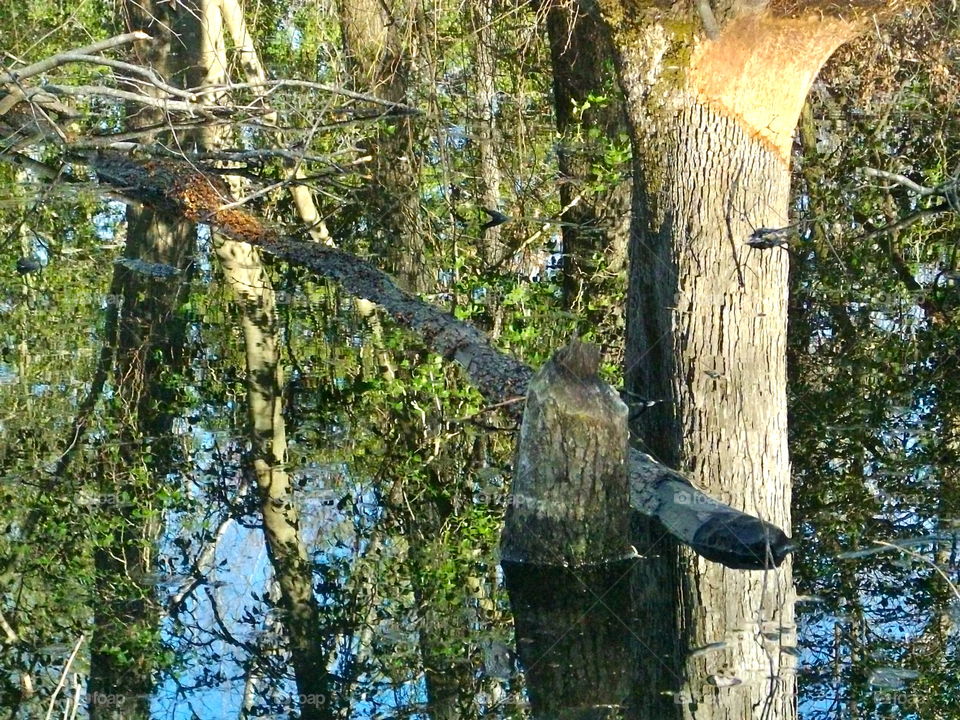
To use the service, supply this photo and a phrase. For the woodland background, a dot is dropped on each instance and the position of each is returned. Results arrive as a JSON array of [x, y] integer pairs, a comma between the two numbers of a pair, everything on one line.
[[457, 160]]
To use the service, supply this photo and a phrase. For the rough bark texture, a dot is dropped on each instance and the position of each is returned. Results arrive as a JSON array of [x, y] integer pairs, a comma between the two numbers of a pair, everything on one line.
[[569, 500], [706, 325]]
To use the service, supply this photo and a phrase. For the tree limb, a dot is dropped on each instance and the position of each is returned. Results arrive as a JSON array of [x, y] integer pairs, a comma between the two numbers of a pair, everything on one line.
[[12, 76]]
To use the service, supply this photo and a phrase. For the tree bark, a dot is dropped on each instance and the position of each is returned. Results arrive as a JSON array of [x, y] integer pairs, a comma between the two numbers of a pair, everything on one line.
[[711, 125], [569, 500], [481, 15]]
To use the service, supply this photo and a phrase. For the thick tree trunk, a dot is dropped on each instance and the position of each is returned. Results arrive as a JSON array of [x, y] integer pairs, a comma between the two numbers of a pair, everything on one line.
[[712, 123]]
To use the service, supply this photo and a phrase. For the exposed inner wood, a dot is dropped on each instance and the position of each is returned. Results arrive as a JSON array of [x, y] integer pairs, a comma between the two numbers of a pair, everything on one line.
[[760, 68]]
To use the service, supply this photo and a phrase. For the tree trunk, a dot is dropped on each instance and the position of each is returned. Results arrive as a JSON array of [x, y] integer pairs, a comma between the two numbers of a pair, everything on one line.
[[487, 136], [243, 269], [569, 501], [149, 342], [595, 205], [711, 124], [375, 43]]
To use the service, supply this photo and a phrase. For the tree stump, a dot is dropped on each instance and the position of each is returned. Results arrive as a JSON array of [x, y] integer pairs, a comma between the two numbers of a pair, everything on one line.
[[570, 500]]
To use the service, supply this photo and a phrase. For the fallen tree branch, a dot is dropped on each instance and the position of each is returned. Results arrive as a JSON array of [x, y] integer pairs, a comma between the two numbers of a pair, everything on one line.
[[947, 190], [717, 531]]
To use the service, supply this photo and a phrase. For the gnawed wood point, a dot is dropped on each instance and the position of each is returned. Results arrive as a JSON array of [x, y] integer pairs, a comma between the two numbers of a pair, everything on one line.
[[570, 501], [760, 69]]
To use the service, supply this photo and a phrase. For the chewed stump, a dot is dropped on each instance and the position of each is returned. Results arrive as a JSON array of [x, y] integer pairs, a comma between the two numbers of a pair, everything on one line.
[[570, 504]]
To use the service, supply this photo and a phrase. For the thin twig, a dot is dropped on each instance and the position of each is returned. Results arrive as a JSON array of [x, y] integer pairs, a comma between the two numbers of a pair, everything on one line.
[[63, 675], [931, 563], [900, 180], [104, 91]]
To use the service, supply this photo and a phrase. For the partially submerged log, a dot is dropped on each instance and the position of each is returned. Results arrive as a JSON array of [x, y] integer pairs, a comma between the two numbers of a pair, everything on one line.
[[715, 530], [569, 498]]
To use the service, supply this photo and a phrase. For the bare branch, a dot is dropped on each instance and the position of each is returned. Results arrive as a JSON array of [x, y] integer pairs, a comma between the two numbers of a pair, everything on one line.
[[63, 675], [905, 222], [708, 19], [146, 73], [947, 190], [901, 180], [56, 60], [333, 89], [163, 103]]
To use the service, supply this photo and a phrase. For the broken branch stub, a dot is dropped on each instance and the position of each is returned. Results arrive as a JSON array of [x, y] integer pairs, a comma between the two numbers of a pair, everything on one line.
[[570, 499]]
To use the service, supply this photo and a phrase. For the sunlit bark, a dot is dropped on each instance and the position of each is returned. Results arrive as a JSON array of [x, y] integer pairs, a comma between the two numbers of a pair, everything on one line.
[[712, 122]]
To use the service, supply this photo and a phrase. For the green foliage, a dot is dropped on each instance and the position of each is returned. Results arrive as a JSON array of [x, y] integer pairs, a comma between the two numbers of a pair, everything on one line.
[[873, 338]]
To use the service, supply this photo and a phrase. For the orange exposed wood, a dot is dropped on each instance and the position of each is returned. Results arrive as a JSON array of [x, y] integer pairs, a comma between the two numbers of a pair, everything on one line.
[[760, 69], [198, 196]]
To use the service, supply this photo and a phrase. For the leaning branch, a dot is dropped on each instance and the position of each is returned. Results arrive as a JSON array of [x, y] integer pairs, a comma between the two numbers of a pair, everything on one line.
[[131, 71], [14, 76], [716, 531]]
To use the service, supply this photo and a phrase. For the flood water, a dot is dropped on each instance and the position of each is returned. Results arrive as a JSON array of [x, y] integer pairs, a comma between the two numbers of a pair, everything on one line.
[[256, 495]]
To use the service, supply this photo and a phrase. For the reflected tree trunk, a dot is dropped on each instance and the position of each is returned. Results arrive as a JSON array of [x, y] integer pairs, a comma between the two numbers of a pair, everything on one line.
[[711, 123], [481, 16], [375, 45], [149, 347], [595, 201], [243, 269]]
